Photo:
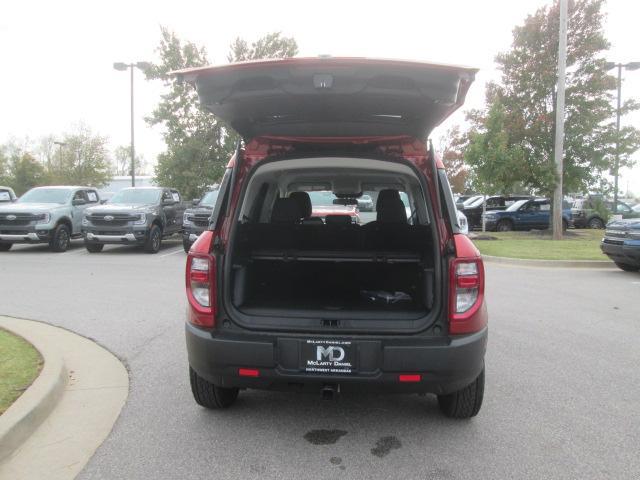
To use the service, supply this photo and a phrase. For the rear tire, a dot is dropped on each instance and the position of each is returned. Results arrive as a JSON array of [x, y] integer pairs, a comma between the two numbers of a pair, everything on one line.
[[60, 239], [186, 244], [627, 268], [504, 226], [209, 395], [93, 247], [565, 225], [152, 244], [5, 247], [464, 403], [596, 223]]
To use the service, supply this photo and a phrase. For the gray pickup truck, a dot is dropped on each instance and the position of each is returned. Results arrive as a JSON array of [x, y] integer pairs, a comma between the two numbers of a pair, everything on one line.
[[50, 215], [196, 219], [134, 216]]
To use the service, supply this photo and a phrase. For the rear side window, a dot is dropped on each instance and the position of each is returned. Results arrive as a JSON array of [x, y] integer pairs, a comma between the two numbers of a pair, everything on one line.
[[222, 200], [446, 198]]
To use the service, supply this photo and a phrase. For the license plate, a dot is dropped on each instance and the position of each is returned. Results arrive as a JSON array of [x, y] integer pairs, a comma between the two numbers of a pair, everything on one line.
[[328, 356]]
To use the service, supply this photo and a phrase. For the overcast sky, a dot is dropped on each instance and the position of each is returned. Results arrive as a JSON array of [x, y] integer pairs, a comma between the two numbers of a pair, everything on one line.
[[57, 56]]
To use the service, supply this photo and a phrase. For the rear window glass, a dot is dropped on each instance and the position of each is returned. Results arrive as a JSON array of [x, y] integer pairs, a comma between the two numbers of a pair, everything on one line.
[[4, 196], [325, 202]]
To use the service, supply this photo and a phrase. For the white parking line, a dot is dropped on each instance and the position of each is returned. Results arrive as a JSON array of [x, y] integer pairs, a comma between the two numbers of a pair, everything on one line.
[[172, 253]]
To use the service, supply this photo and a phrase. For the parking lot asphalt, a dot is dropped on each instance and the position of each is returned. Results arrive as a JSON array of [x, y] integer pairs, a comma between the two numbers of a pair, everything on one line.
[[562, 398]]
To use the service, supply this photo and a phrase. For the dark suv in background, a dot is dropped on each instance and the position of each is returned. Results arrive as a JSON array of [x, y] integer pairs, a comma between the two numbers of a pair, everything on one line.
[[525, 215], [196, 219], [282, 299], [473, 209]]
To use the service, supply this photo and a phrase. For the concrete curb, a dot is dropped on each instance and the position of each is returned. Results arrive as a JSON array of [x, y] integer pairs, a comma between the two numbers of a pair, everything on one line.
[[550, 263], [26, 414], [94, 389]]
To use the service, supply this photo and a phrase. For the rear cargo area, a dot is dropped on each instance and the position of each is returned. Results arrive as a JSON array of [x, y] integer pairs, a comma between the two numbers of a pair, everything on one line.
[[313, 270], [301, 247]]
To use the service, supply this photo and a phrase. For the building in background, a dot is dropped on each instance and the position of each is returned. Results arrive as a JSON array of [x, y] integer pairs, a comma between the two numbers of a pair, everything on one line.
[[118, 183]]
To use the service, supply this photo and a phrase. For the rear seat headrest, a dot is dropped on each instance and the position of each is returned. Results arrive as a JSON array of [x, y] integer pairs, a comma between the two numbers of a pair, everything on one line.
[[392, 210], [304, 202], [386, 194], [338, 220], [285, 210]]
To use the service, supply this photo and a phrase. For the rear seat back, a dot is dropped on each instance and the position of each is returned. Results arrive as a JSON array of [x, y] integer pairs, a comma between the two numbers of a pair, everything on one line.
[[351, 237], [288, 231]]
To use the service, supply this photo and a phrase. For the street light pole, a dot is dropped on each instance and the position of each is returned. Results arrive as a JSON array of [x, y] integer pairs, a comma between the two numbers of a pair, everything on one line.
[[60, 145], [617, 162], [122, 67], [559, 138], [133, 148], [616, 165]]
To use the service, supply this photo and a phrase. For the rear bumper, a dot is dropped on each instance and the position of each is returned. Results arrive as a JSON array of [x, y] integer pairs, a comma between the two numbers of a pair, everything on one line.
[[627, 252], [445, 364]]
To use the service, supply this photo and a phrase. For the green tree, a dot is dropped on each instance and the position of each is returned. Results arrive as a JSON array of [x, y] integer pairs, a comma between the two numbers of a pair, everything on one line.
[[4, 166], [198, 145], [26, 173], [122, 161], [526, 94], [497, 164], [82, 160], [272, 45], [452, 146]]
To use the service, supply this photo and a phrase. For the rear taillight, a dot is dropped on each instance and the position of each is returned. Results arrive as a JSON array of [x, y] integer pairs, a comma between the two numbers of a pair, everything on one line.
[[467, 313], [201, 282]]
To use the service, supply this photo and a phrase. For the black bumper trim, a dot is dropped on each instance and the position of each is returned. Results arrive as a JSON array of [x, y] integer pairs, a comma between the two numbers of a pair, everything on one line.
[[446, 365]]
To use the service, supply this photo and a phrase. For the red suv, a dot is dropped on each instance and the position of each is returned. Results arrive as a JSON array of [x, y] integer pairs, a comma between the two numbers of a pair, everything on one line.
[[282, 299]]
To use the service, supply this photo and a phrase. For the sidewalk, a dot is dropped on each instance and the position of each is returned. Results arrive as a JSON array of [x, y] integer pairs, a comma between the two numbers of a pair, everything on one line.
[[82, 404]]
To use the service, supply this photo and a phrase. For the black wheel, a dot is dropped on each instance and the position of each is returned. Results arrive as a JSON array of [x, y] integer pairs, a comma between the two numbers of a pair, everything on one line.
[[596, 223], [504, 226], [152, 245], [565, 225], [628, 268], [209, 395], [464, 403], [93, 247], [60, 239], [5, 247], [186, 244]]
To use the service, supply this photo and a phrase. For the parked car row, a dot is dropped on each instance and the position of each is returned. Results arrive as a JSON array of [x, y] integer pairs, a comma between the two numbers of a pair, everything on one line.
[[582, 213], [141, 216], [504, 213]]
